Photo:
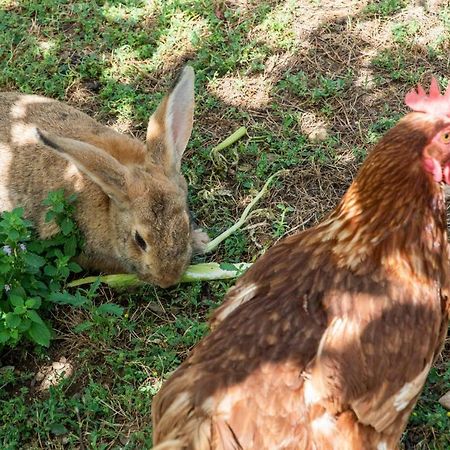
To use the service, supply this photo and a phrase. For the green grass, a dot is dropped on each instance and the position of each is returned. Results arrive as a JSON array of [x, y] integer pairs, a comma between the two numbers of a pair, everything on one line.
[[385, 8], [279, 67]]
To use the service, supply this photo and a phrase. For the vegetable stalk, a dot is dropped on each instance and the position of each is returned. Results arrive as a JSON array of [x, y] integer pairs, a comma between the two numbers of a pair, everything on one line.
[[197, 272]]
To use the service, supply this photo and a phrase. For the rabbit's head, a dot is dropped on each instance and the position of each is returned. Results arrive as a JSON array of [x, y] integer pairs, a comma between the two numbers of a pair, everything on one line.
[[151, 231]]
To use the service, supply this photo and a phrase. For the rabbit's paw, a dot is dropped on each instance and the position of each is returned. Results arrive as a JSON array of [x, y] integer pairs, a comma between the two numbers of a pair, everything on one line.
[[199, 240]]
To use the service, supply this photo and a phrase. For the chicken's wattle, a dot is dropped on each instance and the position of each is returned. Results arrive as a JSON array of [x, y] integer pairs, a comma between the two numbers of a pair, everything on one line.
[[439, 173], [446, 173]]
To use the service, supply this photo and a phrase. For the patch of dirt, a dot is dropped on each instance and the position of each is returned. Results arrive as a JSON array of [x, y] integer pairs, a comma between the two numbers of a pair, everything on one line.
[[53, 374], [37, 373]]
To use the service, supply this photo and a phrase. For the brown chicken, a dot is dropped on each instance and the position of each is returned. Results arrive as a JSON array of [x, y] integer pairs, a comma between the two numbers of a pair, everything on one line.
[[326, 342]]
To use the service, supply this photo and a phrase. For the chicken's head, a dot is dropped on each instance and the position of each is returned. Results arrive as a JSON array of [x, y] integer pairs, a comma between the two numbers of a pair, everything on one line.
[[436, 154]]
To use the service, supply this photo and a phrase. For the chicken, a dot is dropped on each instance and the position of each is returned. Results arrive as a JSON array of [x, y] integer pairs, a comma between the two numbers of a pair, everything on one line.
[[326, 342]]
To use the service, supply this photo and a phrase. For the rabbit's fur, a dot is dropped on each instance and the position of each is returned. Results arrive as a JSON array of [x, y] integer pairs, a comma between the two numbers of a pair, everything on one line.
[[132, 198]]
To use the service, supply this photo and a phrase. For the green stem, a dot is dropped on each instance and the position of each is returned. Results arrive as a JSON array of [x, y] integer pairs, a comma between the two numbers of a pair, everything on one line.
[[121, 280], [216, 241], [213, 271], [240, 132]]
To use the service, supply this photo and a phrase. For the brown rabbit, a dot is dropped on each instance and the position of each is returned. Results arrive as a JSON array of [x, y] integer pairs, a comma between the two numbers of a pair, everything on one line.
[[132, 198]]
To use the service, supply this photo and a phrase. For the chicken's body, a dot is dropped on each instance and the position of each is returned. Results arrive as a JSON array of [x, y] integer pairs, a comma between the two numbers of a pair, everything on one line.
[[326, 342]]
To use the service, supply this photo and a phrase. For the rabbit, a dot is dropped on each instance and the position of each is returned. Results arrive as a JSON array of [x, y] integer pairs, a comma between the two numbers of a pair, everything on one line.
[[132, 197]]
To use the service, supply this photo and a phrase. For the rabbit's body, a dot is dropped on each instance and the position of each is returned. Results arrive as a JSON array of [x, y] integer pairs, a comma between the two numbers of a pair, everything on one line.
[[27, 185], [132, 198]]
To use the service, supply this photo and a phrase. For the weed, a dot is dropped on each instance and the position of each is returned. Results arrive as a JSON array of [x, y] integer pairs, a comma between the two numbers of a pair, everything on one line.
[[403, 33], [395, 63], [313, 90], [378, 128], [280, 223], [384, 8], [33, 271]]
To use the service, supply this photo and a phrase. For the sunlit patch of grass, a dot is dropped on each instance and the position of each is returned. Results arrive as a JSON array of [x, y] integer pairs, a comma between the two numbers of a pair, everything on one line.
[[123, 62], [248, 91], [7, 4], [403, 32], [182, 35], [276, 30], [46, 46], [131, 12]]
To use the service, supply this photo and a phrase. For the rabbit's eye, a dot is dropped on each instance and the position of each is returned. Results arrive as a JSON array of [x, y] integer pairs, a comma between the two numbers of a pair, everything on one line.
[[140, 241]]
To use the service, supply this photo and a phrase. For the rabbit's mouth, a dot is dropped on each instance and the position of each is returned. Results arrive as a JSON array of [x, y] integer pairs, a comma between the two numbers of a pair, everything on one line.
[[164, 278], [167, 281]]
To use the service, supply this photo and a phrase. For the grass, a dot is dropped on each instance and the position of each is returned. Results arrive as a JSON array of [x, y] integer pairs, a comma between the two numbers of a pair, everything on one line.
[[314, 84]]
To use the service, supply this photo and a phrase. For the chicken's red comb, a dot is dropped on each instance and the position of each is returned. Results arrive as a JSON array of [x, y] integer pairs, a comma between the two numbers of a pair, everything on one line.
[[435, 103]]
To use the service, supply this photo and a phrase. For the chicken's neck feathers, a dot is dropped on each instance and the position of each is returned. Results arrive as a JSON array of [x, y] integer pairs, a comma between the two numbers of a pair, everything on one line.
[[390, 226]]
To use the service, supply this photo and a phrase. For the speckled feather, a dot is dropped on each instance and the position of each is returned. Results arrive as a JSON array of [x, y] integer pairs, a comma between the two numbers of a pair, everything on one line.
[[325, 343]]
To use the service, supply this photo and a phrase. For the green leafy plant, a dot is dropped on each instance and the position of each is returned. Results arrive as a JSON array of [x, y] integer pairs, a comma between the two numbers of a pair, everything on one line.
[[33, 271], [296, 83]]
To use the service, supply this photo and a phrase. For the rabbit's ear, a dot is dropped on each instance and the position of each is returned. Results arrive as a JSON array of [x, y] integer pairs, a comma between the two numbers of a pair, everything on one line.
[[173, 119], [100, 167]]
